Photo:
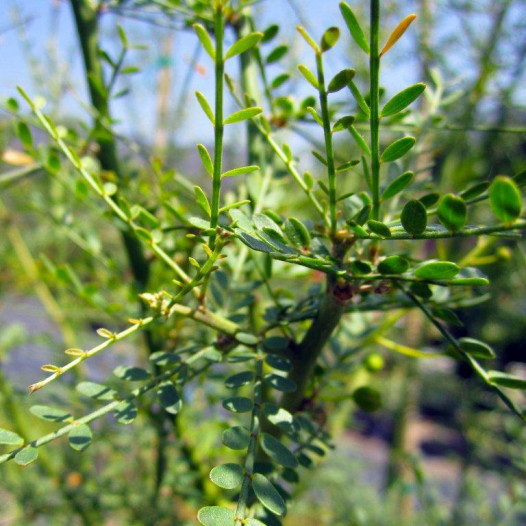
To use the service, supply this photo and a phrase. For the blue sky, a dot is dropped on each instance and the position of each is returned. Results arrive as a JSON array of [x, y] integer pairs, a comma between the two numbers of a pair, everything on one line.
[[51, 41]]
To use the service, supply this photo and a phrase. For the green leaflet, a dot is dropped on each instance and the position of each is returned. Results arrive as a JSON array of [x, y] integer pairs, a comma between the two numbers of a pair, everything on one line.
[[393, 265], [476, 348], [329, 38], [206, 41], [243, 115], [308, 76], [396, 186], [402, 99], [507, 380], [414, 217], [452, 212], [340, 80], [202, 200], [51, 414], [354, 27], [236, 437], [277, 451], [26, 456], [243, 44], [397, 149], [227, 476], [437, 270], [215, 516], [169, 397], [268, 495], [205, 106], [505, 199], [80, 437], [379, 228], [9, 438]]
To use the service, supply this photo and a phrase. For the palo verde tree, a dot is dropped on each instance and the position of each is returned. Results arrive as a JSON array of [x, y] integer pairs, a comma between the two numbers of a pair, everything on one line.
[[243, 292]]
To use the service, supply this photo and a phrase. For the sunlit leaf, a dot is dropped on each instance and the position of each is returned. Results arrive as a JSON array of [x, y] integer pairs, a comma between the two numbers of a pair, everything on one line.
[[227, 476], [26, 456], [80, 437], [9, 438], [505, 199], [329, 38], [243, 44], [354, 27], [402, 99], [215, 516]]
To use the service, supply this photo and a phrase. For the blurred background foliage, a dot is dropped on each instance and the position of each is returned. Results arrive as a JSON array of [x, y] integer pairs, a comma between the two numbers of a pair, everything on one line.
[[440, 450]]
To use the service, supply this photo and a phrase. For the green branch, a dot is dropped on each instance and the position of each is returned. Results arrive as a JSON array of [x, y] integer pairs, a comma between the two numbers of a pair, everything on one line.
[[219, 26], [374, 65], [250, 459], [108, 408], [329, 151]]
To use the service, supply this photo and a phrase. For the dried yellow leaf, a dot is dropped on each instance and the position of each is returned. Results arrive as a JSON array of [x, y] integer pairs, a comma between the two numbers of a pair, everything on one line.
[[398, 31]]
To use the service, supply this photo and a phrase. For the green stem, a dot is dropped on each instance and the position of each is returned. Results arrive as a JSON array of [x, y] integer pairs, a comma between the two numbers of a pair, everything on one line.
[[250, 459], [520, 224], [374, 65], [111, 406], [218, 119], [331, 171], [475, 366]]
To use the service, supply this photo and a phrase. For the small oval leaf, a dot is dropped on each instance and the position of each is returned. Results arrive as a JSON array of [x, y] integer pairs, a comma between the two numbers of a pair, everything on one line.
[[452, 212], [381, 229], [238, 404], [393, 265], [227, 476], [506, 380], [397, 185], [308, 76], [340, 80], [476, 348], [205, 39], [9, 438], [243, 44], [26, 456], [354, 27], [51, 414], [277, 451], [329, 38], [126, 412], [280, 383], [215, 516], [437, 270], [268, 495], [505, 199], [239, 379], [131, 373], [414, 217], [243, 115], [236, 437], [397, 149], [96, 391], [169, 397], [80, 437], [402, 99]]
